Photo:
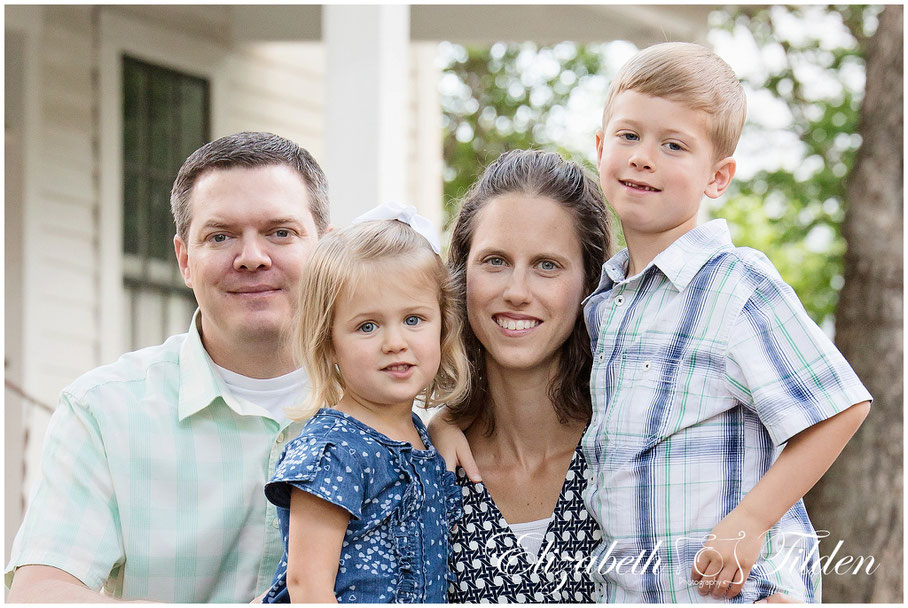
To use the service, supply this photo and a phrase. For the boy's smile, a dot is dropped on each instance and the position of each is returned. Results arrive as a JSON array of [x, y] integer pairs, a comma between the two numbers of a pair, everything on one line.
[[655, 164]]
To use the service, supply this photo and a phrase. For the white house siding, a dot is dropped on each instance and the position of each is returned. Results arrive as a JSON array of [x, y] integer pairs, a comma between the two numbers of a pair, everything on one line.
[[276, 87], [60, 282]]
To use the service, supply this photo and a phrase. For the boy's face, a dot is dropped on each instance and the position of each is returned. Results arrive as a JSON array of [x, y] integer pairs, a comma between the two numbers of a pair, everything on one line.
[[656, 162]]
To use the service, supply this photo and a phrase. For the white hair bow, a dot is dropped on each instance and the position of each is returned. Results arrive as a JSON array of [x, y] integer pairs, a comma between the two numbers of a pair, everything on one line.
[[408, 215]]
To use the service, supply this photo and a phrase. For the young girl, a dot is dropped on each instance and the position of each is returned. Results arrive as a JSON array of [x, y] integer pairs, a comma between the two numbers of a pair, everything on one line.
[[363, 499]]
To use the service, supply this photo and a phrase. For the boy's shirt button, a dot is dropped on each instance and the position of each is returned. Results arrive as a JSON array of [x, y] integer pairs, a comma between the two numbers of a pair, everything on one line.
[[600, 357], [647, 365], [619, 300]]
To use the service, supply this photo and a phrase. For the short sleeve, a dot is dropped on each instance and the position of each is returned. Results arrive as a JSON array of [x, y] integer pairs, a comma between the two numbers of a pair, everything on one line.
[[72, 522], [782, 365], [322, 468]]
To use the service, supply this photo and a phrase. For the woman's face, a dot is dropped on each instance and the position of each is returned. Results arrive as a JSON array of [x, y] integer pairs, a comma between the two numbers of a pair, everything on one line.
[[524, 280]]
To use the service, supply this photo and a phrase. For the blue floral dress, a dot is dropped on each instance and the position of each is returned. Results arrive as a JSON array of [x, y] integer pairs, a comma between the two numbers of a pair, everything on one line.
[[402, 504]]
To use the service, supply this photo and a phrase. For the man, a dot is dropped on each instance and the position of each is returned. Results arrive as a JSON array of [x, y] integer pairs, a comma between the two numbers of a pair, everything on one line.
[[153, 466]]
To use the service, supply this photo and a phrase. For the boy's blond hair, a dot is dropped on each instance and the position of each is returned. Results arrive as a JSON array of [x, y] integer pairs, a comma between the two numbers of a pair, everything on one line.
[[339, 262], [693, 75]]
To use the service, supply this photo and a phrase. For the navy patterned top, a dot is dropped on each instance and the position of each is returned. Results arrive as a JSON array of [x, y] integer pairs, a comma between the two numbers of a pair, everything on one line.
[[490, 566], [402, 504]]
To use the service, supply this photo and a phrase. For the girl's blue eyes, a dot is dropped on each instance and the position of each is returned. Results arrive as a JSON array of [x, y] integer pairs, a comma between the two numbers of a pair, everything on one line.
[[368, 327], [495, 261]]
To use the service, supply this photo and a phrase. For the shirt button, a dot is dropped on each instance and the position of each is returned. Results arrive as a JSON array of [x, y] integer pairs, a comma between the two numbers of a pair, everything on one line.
[[280, 438], [647, 365], [275, 523], [619, 300], [600, 357]]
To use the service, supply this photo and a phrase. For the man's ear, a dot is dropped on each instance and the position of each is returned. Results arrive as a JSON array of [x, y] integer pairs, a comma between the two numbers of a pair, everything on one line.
[[182, 252], [723, 172]]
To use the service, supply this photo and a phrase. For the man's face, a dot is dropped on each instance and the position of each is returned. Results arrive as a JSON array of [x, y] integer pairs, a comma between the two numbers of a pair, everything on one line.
[[250, 236]]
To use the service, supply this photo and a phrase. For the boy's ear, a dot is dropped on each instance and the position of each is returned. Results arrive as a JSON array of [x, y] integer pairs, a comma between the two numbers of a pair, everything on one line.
[[599, 136], [723, 172]]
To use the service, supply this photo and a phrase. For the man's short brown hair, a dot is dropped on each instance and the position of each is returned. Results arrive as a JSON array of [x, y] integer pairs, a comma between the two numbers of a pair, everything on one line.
[[248, 149]]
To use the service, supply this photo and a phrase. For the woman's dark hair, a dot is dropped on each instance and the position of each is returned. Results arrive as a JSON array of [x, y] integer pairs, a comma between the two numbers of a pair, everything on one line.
[[544, 174]]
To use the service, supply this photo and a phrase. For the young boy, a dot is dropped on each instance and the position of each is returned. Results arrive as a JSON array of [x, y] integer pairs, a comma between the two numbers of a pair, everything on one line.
[[717, 402]]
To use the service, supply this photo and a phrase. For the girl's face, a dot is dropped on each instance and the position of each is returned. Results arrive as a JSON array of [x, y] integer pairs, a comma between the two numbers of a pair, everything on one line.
[[387, 334], [524, 280]]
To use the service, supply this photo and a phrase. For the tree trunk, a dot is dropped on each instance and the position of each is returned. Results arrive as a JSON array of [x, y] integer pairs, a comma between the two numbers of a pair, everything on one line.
[[859, 501]]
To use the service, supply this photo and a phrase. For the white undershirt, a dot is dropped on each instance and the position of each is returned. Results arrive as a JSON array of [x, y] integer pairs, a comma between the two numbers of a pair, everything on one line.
[[531, 534], [272, 394]]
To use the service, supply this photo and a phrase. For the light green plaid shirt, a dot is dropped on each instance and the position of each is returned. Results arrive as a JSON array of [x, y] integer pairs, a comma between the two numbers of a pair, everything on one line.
[[152, 482]]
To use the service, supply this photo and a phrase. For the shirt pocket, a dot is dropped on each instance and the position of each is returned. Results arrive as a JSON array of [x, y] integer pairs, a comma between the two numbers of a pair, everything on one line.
[[664, 389]]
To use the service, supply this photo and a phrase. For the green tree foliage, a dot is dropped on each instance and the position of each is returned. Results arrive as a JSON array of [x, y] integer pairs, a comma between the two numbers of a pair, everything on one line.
[[492, 102], [794, 213]]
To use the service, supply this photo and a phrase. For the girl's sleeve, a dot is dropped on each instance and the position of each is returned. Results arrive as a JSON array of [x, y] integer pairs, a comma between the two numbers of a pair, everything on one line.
[[323, 468]]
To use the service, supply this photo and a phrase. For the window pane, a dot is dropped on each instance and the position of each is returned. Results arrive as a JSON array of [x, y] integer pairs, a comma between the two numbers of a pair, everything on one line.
[[193, 115], [160, 226], [135, 83], [160, 124], [165, 118], [133, 197]]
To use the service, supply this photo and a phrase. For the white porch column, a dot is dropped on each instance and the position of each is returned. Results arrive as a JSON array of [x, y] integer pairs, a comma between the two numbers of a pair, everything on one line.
[[367, 90]]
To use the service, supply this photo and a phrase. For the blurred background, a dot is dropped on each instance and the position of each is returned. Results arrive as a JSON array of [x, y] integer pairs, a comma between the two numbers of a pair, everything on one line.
[[410, 103]]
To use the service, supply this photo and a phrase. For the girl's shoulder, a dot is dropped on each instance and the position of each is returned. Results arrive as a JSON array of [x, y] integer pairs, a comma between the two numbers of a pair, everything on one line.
[[329, 425]]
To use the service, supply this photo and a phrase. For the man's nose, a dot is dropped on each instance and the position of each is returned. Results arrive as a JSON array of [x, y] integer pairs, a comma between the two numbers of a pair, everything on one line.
[[253, 255]]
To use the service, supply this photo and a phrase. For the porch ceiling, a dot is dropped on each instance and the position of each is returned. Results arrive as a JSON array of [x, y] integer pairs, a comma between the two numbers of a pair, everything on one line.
[[471, 23]]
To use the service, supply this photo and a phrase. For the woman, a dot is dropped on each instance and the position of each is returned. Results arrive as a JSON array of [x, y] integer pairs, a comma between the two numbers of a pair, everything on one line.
[[528, 245]]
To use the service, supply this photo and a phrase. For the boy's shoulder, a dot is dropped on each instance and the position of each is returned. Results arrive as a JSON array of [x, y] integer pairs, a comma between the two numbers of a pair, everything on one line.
[[743, 270]]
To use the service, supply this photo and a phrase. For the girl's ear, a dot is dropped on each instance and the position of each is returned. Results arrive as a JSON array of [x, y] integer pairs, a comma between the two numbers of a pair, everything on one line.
[[722, 173]]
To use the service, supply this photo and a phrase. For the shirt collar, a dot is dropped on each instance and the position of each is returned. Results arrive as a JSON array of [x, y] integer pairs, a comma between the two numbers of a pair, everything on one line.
[[200, 384], [684, 258], [679, 262]]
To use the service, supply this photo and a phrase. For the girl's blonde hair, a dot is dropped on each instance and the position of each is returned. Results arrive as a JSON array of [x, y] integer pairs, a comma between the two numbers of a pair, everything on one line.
[[339, 262]]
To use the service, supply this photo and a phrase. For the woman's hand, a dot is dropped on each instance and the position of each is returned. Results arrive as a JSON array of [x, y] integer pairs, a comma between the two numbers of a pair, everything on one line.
[[453, 446]]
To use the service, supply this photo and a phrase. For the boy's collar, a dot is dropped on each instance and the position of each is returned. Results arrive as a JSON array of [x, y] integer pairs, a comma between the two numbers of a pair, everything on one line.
[[680, 261], [686, 256]]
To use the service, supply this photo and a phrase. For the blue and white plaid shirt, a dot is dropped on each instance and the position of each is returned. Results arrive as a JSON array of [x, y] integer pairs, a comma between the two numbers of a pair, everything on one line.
[[705, 364]]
